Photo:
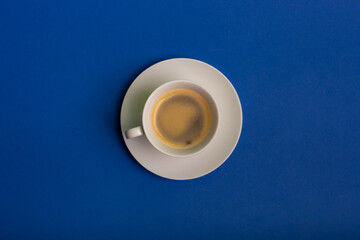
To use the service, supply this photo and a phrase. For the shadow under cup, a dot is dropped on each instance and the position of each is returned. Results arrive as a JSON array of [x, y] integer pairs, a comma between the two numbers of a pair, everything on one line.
[[148, 111]]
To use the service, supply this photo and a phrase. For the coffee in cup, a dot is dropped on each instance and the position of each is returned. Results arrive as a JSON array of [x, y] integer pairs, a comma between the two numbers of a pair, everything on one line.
[[179, 118]]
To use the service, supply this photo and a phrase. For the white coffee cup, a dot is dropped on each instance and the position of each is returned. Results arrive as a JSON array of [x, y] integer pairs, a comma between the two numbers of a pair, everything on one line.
[[147, 127]]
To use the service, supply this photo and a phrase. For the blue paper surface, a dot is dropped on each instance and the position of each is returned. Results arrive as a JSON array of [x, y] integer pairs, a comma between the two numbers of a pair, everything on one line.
[[65, 172]]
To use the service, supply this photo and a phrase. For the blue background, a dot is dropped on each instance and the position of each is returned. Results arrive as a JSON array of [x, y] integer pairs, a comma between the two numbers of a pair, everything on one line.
[[65, 171]]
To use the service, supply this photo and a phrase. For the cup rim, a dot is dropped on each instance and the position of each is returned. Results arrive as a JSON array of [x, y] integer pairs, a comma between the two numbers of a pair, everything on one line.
[[152, 96]]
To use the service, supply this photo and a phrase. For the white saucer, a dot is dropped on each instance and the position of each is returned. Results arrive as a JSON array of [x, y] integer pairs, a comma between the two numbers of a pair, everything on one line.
[[230, 118]]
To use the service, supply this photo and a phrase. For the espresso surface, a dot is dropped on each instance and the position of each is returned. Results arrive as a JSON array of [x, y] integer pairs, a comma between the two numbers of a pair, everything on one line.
[[181, 118]]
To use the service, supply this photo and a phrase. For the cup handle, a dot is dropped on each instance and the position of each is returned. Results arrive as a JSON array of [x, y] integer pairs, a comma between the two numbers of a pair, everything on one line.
[[134, 132]]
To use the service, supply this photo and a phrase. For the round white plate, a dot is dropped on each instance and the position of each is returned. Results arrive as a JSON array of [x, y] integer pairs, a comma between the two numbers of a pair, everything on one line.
[[230, 118]]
